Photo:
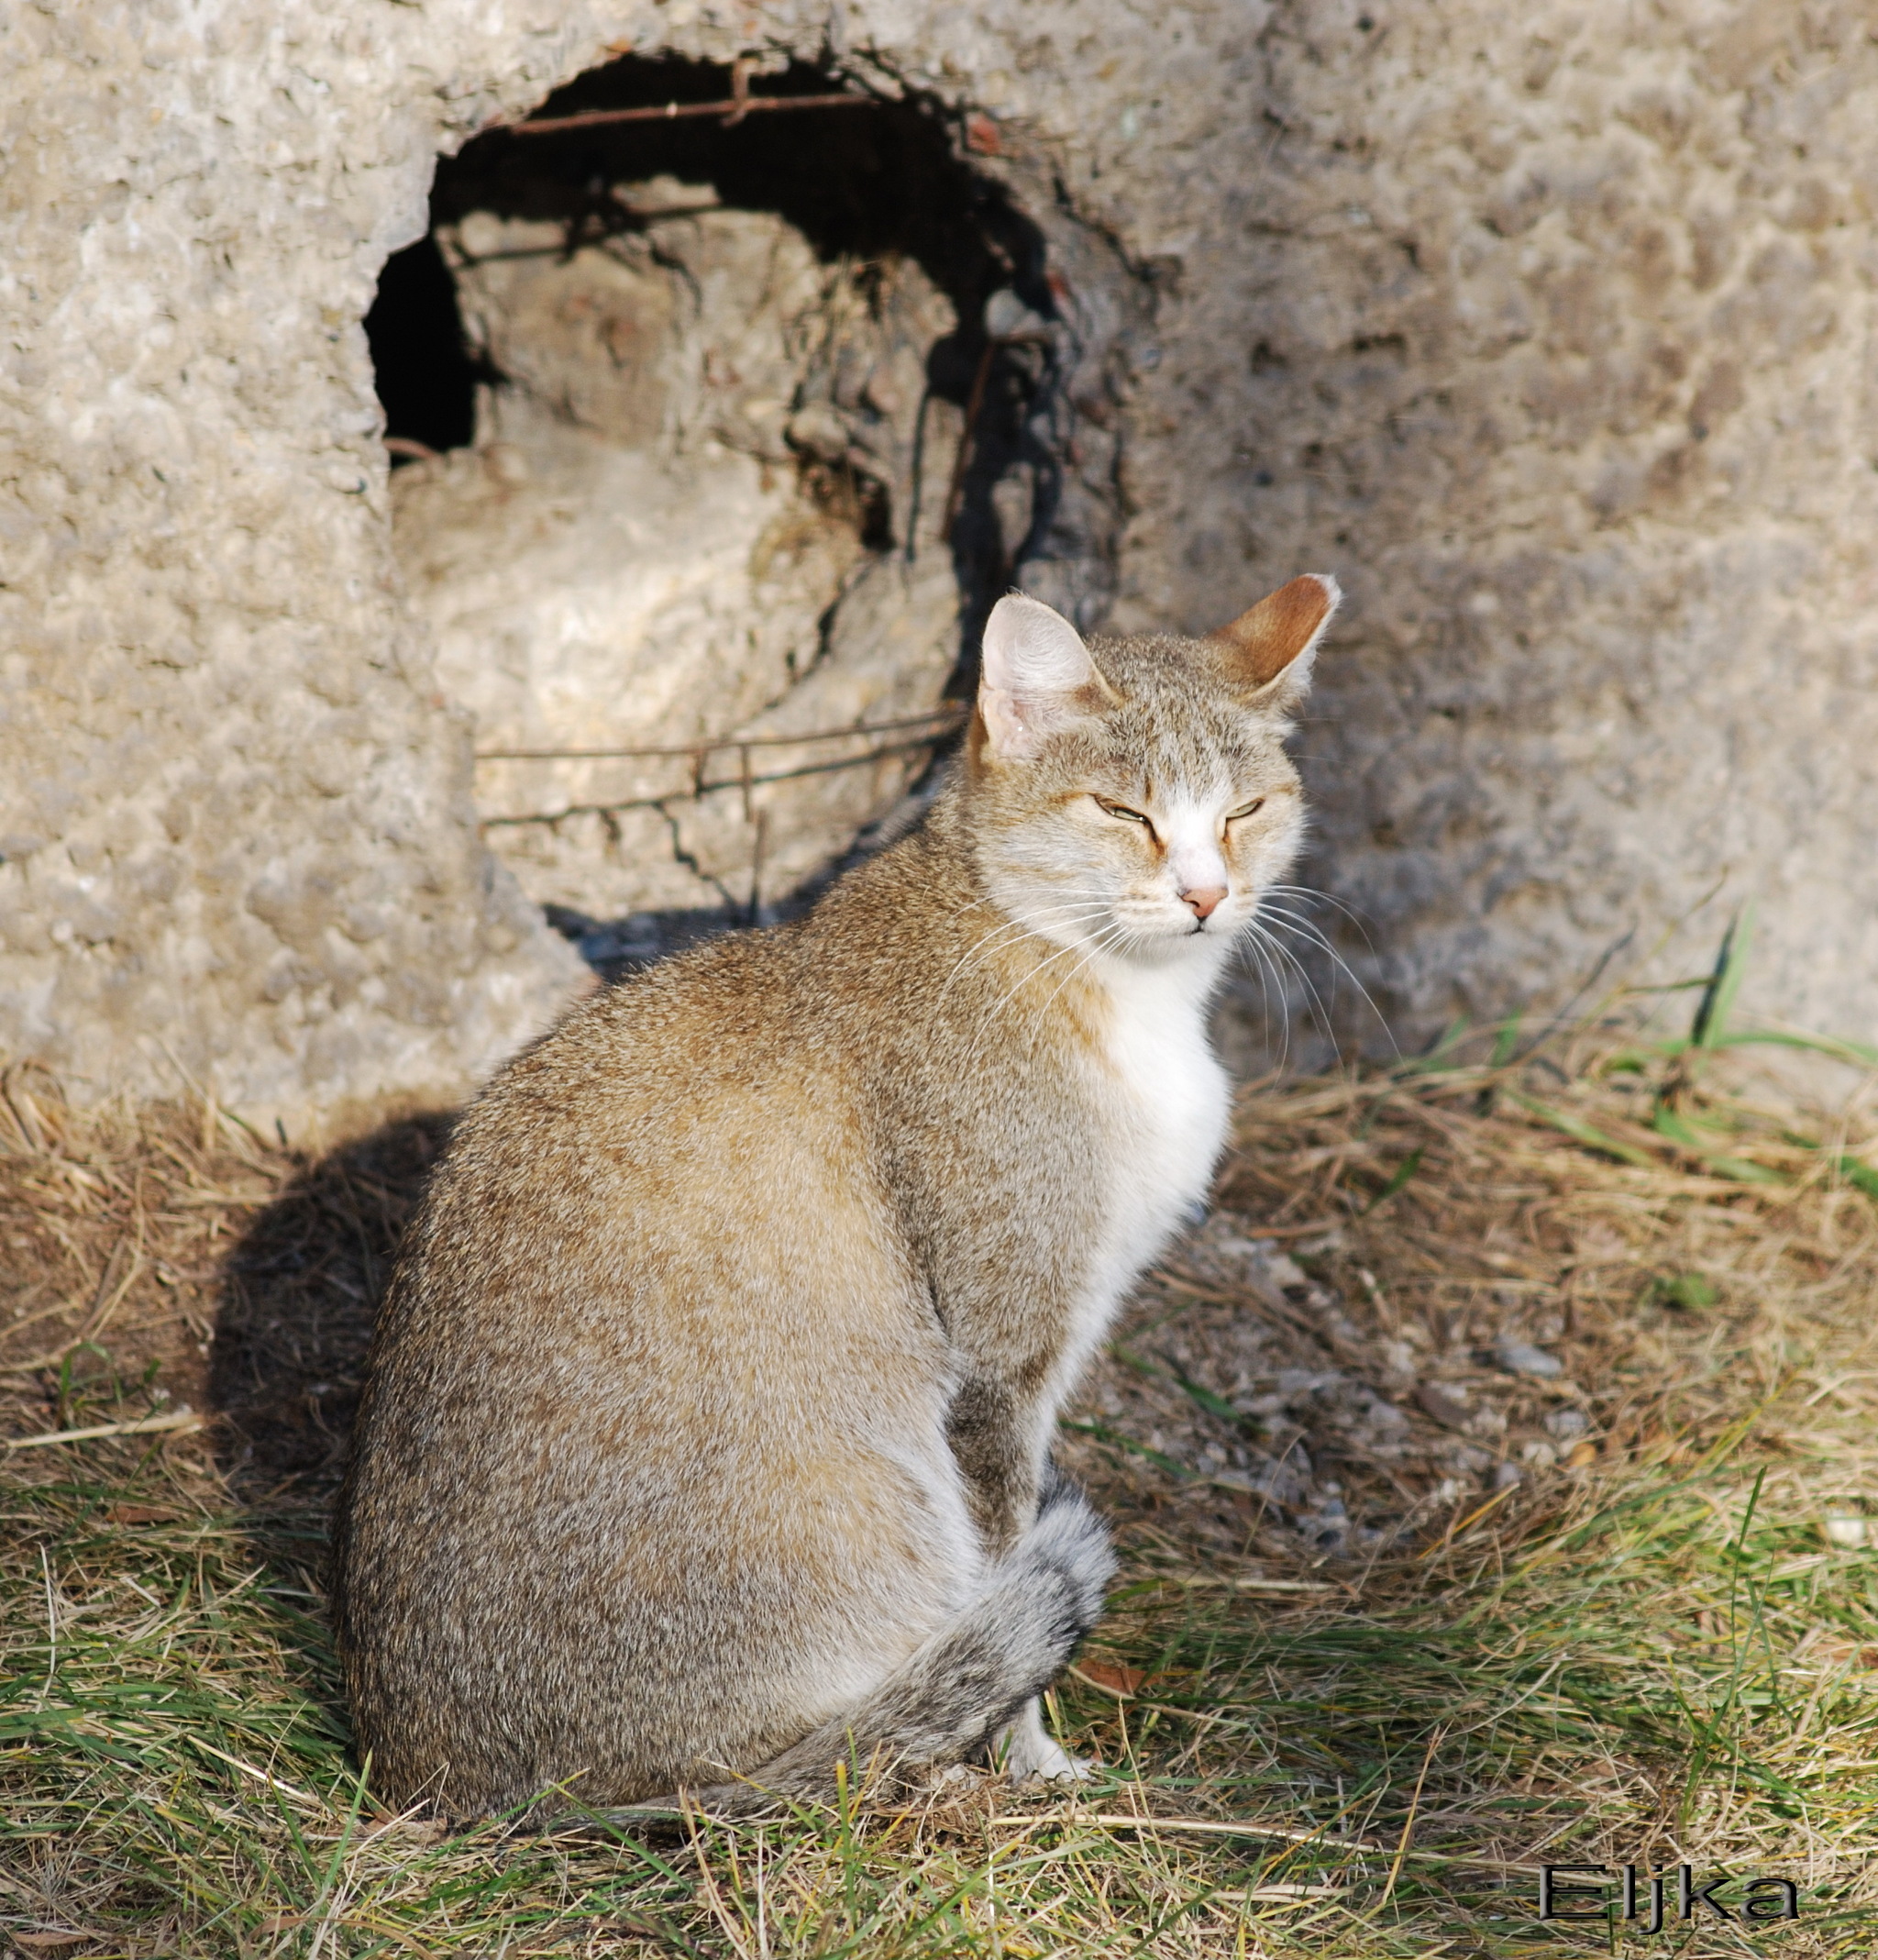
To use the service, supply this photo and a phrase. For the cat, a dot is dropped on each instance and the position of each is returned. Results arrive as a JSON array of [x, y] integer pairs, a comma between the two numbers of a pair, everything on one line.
[[705, 1443]]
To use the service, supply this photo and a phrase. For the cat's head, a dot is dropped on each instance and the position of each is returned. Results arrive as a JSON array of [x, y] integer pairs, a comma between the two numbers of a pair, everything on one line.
[[1133, 795]]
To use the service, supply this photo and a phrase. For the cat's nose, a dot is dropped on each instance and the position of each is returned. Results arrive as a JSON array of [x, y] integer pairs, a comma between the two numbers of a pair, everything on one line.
[[1204, 899]]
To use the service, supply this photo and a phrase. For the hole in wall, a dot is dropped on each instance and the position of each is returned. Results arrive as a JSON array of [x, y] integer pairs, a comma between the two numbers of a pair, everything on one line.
[[703, 432]]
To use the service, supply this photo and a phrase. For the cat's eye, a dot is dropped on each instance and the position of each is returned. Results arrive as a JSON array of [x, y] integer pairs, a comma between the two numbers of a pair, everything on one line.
[[1251, 809], [1123, 811]]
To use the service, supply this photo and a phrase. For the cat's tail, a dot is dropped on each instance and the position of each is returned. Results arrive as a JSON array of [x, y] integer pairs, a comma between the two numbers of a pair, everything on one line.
[[948, 1700]]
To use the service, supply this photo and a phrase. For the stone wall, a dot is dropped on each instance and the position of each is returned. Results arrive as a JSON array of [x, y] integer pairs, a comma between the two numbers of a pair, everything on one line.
[[1554, 342], [1557, 343]]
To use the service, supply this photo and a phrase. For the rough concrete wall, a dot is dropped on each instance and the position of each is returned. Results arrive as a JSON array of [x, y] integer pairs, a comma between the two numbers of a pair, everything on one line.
[[237, 825], [1552, 342], [1554, 338]]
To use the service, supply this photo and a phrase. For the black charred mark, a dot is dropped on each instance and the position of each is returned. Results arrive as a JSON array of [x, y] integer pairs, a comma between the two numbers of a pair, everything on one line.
[[427, 373]]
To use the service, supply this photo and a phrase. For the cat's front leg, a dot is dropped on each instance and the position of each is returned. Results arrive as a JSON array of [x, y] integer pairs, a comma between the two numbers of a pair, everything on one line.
[[1001, 1432]]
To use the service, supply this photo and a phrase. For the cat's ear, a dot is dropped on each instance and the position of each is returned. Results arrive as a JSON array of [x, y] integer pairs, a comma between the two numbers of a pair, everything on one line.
[[1036, 678], [1269, 651]]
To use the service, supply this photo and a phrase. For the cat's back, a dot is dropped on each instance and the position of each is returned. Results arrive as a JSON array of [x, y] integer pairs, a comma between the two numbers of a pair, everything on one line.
[[641, 1243], [616, 1160]]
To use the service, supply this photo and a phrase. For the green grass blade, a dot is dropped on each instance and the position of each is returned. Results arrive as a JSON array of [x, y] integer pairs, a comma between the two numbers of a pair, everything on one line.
[[1730, 966], [1584, 1132], [1666, 1123], [1858, 1054]]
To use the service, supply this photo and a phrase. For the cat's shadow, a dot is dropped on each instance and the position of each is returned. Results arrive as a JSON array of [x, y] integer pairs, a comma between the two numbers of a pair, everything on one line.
[[301, 1288], [300, 1291]]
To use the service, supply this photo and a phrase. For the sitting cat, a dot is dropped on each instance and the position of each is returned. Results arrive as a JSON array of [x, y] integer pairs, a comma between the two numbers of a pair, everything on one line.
[[706, 1441]]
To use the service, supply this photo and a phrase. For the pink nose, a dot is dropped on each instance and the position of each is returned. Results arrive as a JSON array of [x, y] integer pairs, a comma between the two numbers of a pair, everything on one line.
[[1204, 899]]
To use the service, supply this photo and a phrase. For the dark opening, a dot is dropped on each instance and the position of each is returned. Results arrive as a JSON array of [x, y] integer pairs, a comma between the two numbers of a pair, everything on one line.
[[426, 375], [1017, 482]]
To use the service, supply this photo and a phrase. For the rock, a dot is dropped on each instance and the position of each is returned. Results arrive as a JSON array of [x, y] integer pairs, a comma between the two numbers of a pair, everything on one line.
[[650, 566], [1008, 318], [1297, 1384], [819, 430], [1258, 1264], [1447, 1406], [1271, 1272], [1566, 1424], [1399, 1359], [1520, 1357]]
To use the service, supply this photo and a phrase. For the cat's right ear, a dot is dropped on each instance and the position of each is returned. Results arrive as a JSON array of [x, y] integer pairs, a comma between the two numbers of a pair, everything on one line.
[[1036, 678]]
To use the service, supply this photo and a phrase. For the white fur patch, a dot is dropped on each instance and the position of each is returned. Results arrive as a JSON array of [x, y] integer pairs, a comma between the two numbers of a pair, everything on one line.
[[1191, 834], [1170, 1102]]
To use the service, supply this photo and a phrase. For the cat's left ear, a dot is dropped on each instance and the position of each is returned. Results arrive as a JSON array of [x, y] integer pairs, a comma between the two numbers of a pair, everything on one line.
[[1036, 678], [1270, 649]]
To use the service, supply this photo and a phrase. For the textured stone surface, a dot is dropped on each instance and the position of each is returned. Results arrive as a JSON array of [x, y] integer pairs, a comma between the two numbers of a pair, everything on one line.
[[1552, 341], [1557, 344]]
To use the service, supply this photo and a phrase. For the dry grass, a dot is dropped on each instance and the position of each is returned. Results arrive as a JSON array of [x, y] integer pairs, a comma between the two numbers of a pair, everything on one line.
[[1356, 1684]]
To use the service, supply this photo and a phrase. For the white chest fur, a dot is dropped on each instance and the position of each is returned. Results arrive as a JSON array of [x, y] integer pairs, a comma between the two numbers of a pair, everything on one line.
[[1168, 1101]]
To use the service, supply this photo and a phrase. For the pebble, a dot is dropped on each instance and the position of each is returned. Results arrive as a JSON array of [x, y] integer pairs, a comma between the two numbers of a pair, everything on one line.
[[1449, 1410], [1520, 1357]]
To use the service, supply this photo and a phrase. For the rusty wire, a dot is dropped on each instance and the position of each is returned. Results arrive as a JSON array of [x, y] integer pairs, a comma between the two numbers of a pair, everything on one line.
[[741, 103], [935, 725]]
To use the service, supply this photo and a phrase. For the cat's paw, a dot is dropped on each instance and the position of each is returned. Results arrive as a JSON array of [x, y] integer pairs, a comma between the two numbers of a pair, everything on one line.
[[1030, 1753], [1053, 1764]]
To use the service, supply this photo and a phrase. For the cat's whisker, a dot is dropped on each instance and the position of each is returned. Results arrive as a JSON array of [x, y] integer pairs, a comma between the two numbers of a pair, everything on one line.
[[1062, 952], [1275, 958], [1291, 922], [1006, 918], [1306, 930], [1024, 928], [1011, 937], [1270, 980], [1324, 898], [1249, 952], [1040, 1011], [1295, 922], [1285, 953], [1089, 947]]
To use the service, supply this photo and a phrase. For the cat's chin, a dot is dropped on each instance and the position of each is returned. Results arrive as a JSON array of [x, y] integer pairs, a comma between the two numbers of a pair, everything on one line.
[[1172, 949]]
